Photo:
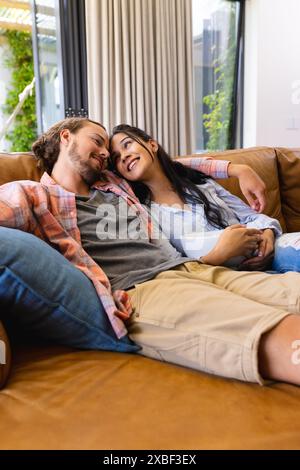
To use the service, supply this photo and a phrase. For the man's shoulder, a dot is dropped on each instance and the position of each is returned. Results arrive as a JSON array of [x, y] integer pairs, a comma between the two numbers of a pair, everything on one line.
[[21, 185], [22, 189]]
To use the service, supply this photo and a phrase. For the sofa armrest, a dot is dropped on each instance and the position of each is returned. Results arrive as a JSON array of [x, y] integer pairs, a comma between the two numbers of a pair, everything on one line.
[[5, 356], [289, 183]]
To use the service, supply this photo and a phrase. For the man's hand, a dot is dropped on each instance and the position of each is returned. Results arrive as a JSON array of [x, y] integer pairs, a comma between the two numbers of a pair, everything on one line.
[[123, 304], [265, 253], [252, 186]]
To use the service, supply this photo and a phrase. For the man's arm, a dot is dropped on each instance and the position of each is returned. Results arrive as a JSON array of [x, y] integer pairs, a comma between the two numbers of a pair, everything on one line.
[[208, 165], [252, 186]]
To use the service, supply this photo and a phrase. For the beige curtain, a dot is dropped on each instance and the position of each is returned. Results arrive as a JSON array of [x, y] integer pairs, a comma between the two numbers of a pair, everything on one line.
[[140, 68]]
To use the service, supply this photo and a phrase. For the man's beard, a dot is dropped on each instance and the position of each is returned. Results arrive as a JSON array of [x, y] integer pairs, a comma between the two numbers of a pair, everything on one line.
[[89, 174]]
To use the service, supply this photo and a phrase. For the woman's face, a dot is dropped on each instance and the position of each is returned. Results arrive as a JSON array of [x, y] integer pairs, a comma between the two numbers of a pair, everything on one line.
[[133, 161]]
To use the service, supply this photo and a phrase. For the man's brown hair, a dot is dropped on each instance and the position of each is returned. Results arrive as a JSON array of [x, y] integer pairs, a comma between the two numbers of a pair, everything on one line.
[[47, 147]]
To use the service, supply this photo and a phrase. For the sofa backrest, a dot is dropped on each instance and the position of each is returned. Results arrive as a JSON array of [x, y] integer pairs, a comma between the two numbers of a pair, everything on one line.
[[16, 166], [289, 181], [279, 169]]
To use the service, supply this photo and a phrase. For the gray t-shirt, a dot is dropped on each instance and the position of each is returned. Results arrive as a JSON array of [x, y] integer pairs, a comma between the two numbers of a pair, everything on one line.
[[117, 240]]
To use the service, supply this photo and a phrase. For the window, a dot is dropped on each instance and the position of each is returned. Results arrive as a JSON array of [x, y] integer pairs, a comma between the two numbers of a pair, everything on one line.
[[17, 94], [217, 40], [50, 103], [60, 60]]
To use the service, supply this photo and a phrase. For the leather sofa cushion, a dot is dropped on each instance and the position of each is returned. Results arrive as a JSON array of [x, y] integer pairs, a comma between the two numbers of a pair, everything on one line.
[[60, 398], [289, 172], [18, 167]]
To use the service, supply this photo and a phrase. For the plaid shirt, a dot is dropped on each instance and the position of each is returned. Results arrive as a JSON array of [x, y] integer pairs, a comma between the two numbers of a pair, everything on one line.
[[48, 211]]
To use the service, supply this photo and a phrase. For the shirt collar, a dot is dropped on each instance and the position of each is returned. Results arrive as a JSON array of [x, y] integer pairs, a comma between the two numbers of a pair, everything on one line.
[[46, 179], [109, 182]]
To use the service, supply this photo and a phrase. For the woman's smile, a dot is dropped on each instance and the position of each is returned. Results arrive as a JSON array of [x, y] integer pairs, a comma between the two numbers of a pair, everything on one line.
[[132, 163]]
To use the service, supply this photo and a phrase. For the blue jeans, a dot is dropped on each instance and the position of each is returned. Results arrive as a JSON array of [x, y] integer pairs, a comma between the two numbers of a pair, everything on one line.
[[287, 253], [45, 295]]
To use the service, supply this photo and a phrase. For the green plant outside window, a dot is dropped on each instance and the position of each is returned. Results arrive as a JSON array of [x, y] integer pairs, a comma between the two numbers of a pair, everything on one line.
[[218, 120], [20, 63]]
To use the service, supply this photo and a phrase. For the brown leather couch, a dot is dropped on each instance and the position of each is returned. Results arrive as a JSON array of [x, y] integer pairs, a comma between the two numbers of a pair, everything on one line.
[[59, 398]]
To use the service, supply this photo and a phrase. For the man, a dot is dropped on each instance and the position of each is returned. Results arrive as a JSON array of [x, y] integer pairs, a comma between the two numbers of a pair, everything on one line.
[[171, 306]]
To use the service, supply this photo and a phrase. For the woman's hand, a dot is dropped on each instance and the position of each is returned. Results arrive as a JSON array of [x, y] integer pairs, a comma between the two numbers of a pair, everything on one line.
[[252, 186], [236, 240], [123, 304], [264, 254]]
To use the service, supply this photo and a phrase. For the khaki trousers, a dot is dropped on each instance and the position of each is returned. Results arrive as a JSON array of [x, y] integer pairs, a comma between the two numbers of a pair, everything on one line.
[[211, 318]]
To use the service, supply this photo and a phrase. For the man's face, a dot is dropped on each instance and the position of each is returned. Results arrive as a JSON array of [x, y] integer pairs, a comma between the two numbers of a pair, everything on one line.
[[88, 152]]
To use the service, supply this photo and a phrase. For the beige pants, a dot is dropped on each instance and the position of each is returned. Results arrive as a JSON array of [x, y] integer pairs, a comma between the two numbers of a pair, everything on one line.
[[211, 318]]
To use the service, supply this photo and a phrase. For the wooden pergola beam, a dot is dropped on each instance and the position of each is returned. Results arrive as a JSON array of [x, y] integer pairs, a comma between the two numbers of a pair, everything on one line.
[[26, 27], [15, 26], [49, 11], [14, 4]]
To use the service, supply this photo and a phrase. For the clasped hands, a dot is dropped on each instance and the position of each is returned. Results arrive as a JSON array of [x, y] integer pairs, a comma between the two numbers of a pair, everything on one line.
[[238, 240]]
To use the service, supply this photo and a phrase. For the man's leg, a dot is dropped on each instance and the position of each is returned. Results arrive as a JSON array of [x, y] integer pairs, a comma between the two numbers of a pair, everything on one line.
[[45, 295], [181, 319], [277, 290], [279, 351]]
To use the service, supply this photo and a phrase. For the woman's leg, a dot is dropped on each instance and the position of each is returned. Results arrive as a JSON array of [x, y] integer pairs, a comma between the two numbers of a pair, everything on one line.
[[287, 253]]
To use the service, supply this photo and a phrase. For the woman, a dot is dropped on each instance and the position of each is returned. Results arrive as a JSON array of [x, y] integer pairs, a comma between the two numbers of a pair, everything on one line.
[[184, 200]]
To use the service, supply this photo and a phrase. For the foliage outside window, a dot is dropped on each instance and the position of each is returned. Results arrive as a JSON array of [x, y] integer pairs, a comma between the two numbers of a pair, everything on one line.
[[215, 46], [20, 62], [218, 121]]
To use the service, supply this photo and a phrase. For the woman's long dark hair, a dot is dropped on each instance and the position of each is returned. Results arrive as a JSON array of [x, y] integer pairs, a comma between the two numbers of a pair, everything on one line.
[[184, 180]]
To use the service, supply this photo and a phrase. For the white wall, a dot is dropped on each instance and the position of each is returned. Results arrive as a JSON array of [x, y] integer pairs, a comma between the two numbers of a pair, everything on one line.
[[272, 73]]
